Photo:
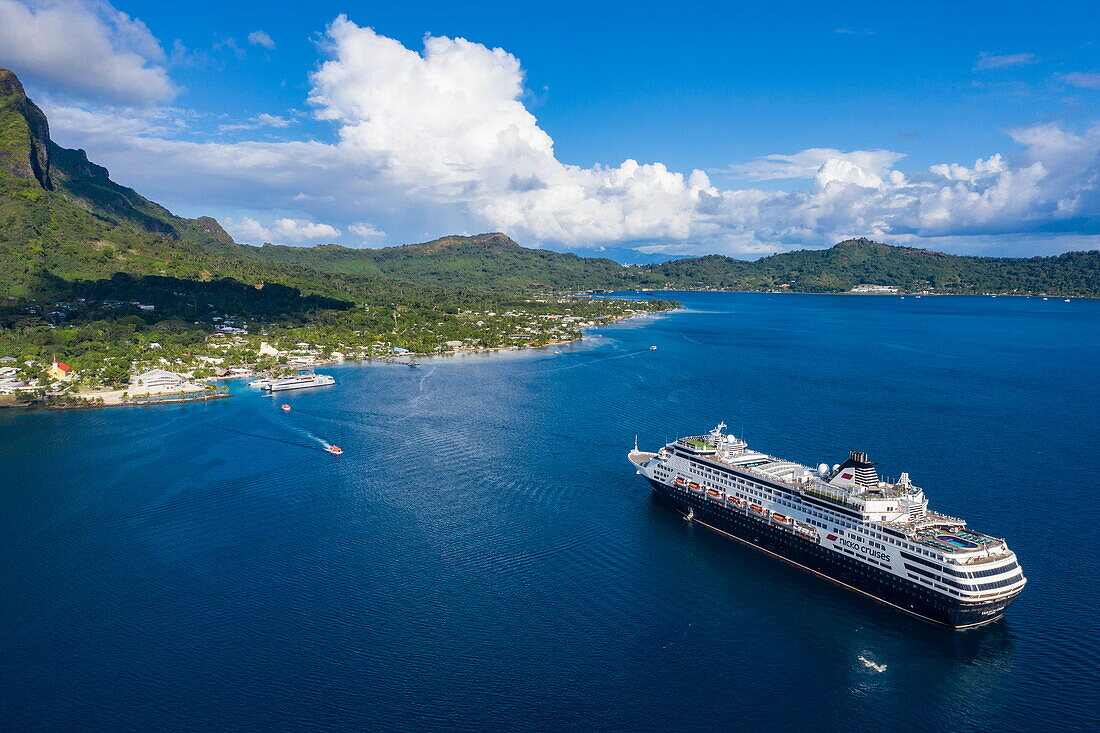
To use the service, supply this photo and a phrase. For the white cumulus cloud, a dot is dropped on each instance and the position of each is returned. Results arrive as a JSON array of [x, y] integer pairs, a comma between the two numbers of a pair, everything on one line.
[[440, 140], [259, 121], [449, 124], [807, 163], [261, 38], [84, 47], [367, 232], [281, 231]]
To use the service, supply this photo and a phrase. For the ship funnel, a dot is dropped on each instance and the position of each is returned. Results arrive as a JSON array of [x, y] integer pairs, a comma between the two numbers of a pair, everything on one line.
[[863, 471]]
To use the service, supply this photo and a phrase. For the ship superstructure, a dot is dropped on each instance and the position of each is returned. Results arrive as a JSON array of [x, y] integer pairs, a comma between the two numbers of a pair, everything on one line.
[[304, 380], [843, 522]]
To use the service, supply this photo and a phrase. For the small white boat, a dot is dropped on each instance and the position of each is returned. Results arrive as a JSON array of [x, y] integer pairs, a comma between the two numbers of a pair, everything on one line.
[[652, 348]]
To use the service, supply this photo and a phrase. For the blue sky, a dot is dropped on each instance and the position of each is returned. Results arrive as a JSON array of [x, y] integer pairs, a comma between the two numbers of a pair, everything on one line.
[[966, 127]]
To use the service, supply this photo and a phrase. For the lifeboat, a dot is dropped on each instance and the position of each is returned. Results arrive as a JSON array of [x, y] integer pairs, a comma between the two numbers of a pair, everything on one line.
[[335, 450], [694, 486], [285, 408], [681, 480], [781, 519], [714, 493], [757, 509], [737, 501]]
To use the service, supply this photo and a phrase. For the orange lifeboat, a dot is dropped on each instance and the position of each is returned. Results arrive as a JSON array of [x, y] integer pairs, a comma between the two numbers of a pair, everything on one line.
[[737, 501], [285, 408], [694, 486], [335, 450], [757, 509], [681, 480], [781, 519], [714, 493]]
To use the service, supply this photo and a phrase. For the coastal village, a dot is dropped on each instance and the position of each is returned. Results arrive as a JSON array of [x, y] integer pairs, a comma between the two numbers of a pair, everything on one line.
[[190, 362]]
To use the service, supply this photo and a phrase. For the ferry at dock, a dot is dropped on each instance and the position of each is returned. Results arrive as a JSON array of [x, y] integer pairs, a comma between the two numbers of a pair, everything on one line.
[[843, 523], [299, 381]]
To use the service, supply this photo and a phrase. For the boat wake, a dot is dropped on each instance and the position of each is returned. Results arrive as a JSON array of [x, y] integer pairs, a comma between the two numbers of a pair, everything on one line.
[[871, 665], [267, 437], [426, 376], [325, 445], [593, 362]]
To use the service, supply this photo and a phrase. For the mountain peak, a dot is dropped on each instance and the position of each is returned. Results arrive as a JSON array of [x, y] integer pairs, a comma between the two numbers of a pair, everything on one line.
[[858, 243], [489, 240], [24, 134]]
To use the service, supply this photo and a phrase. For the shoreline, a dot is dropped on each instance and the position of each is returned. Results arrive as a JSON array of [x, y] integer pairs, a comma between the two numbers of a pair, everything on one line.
[[42, 405], [872, 295], [204, 397], [207, 396], [454, 352]]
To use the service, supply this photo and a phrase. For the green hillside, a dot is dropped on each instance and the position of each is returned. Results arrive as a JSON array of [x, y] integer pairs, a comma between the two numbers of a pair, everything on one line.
[[62, 220], [95, 274], [495, 261], [857, 261], [64, 223], [483, 261]]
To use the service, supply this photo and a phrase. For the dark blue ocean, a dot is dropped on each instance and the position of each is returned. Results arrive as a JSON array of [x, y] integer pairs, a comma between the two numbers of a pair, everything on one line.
[[483, 557]]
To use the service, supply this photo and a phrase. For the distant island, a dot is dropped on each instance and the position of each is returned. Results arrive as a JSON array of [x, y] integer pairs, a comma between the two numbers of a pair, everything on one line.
[[495, 261], [98, 278]]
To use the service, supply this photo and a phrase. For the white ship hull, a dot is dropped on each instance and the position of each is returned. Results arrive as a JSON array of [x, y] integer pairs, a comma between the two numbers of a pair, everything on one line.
[[291, 383], [877, 538]]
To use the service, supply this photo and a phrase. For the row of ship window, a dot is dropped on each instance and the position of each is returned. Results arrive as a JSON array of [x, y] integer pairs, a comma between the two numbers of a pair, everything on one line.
[[842, 522], [849, 525], [926, 581], [864, 558], [966, 586], [786, 503], [771, 495], [963, 573]]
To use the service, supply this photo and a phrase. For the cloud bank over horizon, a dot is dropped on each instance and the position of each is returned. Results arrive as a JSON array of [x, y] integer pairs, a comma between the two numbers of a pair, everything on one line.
[[441, 140]]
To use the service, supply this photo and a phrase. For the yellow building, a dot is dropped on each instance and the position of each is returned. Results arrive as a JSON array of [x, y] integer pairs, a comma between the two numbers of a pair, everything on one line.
[[59, 370]]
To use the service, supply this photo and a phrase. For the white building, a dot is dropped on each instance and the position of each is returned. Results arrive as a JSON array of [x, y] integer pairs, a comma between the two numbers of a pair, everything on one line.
[[157, 379], [866, 289]]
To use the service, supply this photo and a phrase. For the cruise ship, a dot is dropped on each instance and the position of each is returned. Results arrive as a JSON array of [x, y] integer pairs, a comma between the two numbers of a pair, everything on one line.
[[299, 381], [841, 522]]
